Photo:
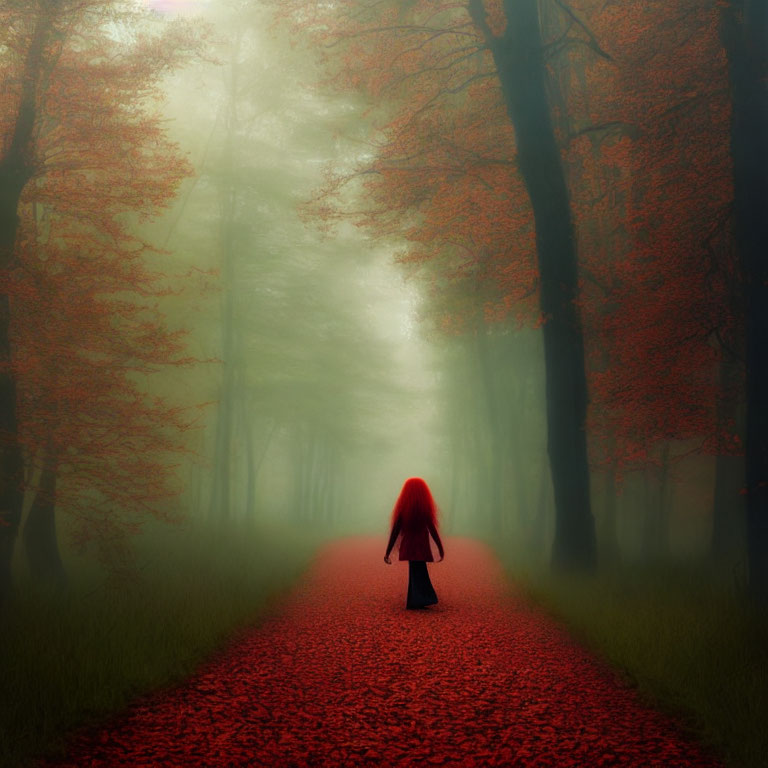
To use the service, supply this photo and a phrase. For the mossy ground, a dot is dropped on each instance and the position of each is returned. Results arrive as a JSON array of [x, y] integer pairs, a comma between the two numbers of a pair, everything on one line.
[[73, 658], [689, 640]]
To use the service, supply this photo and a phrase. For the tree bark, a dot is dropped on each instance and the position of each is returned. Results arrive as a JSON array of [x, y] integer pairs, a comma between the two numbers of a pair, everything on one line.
[[16, 169], [538, 531], [744, 34], [656, 521], [728, 503], [495, 425], [40, 541], [250, 466], [609, 550], [519, 458], [519, 59], [221, 495]]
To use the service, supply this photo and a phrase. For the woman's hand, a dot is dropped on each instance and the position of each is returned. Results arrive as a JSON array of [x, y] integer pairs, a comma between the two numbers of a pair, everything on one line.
[[387, 560]]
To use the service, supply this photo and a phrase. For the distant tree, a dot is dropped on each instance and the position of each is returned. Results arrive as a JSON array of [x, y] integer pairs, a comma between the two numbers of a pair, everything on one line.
[[301, 366]]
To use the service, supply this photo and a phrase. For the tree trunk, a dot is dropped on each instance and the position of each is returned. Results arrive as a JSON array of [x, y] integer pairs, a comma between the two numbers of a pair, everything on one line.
[[728, 503], [728, 509], [519, 59], [299, 465], [456, 466], [16, 168], [196, 483], [324, 486], [250, 469], [609, 540], [305, 474], [310, 496], [495, 426], [221, 496], [744, 33], [519, 458], [39, 534], [220, 490], [539, 525], [656, 521]]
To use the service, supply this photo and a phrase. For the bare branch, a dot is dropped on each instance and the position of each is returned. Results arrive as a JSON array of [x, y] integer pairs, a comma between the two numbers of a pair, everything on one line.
[[450, 65], [611, 126], [430, 101], [408, 28], [590, 277], [595, 45], [557, 46]]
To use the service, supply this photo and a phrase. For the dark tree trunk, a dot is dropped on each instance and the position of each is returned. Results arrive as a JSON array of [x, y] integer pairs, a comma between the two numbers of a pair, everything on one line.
[[254, 463], [728, 503], [250, 468], [609, 539], [40, 541], [656, 520], [519, 459], [745, 31], [16, 168], [299, 452], [519, 59], [728, 509], [310, 486], [196, 483], [538, 530], [324, 485], [456, 467], [220, 506], [495, 424], [305, 464]]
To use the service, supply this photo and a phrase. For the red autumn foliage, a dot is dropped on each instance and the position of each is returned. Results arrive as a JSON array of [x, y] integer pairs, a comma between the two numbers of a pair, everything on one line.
[[87, 325], [641, 102], [648, 158], [439, 172]]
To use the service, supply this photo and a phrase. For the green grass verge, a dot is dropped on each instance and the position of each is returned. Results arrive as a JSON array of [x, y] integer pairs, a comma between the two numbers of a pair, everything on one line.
[[76, 658], [690, 644]]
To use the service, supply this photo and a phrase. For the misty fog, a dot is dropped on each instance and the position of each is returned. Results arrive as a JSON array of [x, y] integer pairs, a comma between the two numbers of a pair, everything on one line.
[[264, 260]]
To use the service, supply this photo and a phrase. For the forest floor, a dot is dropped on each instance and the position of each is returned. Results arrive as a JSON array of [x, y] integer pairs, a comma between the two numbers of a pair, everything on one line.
[[340, 674]]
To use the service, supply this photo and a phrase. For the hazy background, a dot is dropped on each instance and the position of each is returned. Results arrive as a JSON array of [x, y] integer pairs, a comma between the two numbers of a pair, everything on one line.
[[314, 343], [263, 260]]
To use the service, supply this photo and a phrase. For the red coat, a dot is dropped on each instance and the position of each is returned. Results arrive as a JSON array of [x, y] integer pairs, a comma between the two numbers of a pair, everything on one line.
[[414, 542]]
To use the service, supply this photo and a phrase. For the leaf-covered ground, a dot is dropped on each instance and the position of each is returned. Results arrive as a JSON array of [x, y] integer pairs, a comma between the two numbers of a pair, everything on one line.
[[342, 675]]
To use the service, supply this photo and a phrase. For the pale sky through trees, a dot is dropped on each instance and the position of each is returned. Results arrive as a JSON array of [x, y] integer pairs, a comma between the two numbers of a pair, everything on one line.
[[177, 6]]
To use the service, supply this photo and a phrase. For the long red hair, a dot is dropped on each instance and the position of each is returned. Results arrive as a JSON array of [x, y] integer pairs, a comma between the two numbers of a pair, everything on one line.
[[415, 507]]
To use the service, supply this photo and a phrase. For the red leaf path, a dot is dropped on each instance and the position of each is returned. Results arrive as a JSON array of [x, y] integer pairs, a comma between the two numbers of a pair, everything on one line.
[[342, 675]]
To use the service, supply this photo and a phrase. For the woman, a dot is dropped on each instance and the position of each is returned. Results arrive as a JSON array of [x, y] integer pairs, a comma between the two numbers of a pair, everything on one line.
[[414, 518]]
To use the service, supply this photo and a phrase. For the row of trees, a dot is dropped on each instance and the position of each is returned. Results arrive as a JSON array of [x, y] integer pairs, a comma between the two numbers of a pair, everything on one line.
[[84, 159], [605, 161], [305, 384], [591, 172], [170, 331]]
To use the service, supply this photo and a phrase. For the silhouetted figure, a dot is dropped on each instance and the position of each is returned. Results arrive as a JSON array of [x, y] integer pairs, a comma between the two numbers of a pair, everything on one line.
[[414, 519]]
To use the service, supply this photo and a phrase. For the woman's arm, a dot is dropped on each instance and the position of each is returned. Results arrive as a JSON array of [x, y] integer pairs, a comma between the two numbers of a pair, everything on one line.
[[436, 537], [392, 539]]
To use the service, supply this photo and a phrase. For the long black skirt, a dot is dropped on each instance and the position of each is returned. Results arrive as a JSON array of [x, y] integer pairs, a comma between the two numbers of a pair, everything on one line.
[[421, 593]]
